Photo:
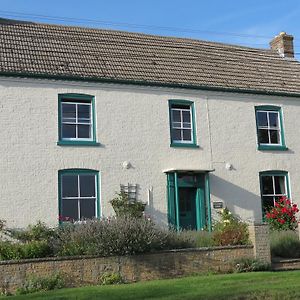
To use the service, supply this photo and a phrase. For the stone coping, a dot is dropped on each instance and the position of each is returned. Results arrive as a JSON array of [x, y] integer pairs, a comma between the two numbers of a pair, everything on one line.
[[81, 257]]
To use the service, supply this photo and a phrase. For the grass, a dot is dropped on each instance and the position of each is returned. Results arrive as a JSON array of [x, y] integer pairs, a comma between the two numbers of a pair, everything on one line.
[[245, 286]]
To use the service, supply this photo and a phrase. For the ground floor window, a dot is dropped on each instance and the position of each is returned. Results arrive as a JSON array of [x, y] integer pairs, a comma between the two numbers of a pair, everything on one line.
[[78, 199], [188, 200], [274, 185]]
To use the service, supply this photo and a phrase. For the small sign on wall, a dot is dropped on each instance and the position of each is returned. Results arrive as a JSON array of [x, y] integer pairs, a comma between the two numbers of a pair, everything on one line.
[[217, 204]]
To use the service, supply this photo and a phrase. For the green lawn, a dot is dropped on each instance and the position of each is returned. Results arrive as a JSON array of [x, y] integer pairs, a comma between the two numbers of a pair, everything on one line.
[[261, 285]]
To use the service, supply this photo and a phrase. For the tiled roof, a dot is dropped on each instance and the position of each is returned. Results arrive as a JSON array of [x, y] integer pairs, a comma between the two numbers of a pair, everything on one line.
[[75, 52]]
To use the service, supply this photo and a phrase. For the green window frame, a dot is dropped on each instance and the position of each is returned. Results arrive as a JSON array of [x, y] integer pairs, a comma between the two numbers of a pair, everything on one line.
[[80, 178], [273, 185], [183, 128], [75, 122], [269, 128]]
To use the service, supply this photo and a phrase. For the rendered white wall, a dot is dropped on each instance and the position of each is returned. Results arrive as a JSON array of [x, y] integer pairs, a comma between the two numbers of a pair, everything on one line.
[[133, 125]]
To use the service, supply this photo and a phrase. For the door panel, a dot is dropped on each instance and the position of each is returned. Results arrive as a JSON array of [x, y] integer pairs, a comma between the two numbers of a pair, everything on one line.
[[187, 207]]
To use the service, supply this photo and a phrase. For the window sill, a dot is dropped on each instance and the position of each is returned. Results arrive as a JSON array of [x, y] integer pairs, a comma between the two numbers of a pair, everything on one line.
[[78, 143], [184, 145], [271, 148]]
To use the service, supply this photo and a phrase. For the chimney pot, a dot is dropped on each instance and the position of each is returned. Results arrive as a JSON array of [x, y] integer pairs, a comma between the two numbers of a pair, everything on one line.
[[283, 44]]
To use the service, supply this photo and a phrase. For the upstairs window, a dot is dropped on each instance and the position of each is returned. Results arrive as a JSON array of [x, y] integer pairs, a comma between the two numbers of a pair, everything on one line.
[[274, 185], [182, 123], [269, 128], [76, 120]]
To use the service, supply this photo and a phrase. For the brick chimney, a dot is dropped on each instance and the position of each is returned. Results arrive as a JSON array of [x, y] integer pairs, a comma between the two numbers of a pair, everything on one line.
[[283, 44]]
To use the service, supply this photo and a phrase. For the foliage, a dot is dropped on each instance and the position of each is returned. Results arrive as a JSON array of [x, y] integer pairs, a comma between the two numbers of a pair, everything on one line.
[[123, 206], [285, 244], [198, 239], [2, 225], [250, 265], [16, 251], [117, 236], [283, 215], [35, 284], [37, 232], [111, 278], [230, 230]]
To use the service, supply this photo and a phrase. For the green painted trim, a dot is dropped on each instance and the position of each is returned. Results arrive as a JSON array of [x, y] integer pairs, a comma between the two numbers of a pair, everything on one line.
[[78, 143], [194, 138], [183, 145], [272, 147], [146, 83], [198, 209], [81, 97], [274, 173], [176, 202], [208, 203], [78, 172], [282, 146]]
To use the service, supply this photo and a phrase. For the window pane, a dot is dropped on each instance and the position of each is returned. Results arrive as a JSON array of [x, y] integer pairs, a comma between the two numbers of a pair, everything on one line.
[[187, 135], [274, 135], [267, 203], [263, 137], [186, 116], [176, 134], [262, 119], [68, 131], [84, 114], [87, 208], [279, 184], [84, 131], [176, 115], [177, 124], [267, 185], [68, 110], [70, 186], [87, 185], [70, 209], [187, 125], [273, 119]]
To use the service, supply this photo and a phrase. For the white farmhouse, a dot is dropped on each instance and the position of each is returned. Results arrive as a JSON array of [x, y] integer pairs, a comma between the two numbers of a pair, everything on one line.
[[186, 126]]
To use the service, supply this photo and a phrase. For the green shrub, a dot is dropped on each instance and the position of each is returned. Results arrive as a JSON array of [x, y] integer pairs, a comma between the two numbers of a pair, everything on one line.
[[285, 244], [117, 236], [37, 232], [123, 206], [198, 239], [111, 278], [250, 265], [16, 251], [35, 284], [230, 230]]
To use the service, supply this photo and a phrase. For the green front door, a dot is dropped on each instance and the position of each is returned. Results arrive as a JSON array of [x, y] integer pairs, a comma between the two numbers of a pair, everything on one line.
[[187, 207], [188, 203]]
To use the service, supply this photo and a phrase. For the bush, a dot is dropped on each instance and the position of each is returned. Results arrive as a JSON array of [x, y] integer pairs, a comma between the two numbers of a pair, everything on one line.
[[198, 239], [123, 206], [37, 232], [111, 278], [250, 265], [35, 284], [285, 244], [230, 230], [117, 236], [16, 251], [283, 215]]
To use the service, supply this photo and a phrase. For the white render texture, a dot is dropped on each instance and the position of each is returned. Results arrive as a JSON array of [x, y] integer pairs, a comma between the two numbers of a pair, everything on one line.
[[133, 127]]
